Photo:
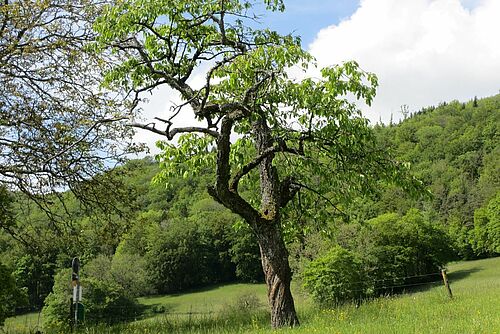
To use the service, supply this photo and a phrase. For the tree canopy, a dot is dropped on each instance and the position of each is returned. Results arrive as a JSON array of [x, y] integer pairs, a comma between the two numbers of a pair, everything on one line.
[[57, 128]]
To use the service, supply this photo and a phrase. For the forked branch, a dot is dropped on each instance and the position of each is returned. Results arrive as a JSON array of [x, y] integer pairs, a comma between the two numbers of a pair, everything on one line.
[[170, 134]]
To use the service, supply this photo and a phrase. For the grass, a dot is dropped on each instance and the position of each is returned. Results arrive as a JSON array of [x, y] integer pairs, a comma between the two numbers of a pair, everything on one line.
[[22, 323], [209, 300], [475, 308]]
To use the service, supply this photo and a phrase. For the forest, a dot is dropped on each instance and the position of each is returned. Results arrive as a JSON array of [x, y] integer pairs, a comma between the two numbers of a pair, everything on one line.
[[169, 235]]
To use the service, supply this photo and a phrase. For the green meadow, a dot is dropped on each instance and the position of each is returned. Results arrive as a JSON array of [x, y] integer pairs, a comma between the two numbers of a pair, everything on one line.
[[241, 308]]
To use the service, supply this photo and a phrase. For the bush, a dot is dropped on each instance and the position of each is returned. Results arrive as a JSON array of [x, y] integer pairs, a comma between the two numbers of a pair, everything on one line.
[[130, 272], [191, 253], [407, 246], [400, 251], [56, 315], [105, 300], [387, 254], [334, 278], [126, 270], [181, 258]]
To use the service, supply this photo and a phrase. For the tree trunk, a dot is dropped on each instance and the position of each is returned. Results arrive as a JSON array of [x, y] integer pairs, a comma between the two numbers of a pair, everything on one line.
[[274, 254], [266, 222], [277, 274]]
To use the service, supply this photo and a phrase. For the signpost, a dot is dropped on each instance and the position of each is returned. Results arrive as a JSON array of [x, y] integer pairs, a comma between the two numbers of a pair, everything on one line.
[[77, 306]]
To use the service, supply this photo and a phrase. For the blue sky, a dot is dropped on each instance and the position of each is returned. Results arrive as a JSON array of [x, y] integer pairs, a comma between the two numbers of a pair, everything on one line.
[[306, 17]]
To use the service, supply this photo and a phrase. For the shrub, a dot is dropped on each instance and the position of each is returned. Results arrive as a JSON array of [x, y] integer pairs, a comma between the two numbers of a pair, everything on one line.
[[56, 315], [191, 253], [181, 257], [334, 278], [105, 300], [126, 270], [387, 254], [130, 272], [415, 245]]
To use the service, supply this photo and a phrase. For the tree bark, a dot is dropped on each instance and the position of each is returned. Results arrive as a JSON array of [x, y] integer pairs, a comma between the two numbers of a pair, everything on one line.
[[266, 222], [277, 274], [274, 254]]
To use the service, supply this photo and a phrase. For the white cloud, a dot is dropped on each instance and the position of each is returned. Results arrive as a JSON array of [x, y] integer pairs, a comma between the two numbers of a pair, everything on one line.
[[159, 104], [423, 51]]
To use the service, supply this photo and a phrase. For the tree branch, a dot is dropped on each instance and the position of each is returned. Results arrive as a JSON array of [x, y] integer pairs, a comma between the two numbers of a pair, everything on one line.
[[288, 190], [252, 90], [248, 167], [89, 130], [329, 201], [221, 192], [170, 134]]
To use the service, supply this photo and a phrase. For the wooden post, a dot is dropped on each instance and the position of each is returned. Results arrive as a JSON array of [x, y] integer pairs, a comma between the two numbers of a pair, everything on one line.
[[71, 314], [446, 283]]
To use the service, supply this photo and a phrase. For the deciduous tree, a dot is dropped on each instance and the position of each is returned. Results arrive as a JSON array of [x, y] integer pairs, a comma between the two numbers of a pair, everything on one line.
[[58, 129], [56, 126], [293, 136]]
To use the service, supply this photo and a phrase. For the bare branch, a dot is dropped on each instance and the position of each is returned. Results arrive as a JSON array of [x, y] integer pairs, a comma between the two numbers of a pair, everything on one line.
[[89, 130], [170, 134]]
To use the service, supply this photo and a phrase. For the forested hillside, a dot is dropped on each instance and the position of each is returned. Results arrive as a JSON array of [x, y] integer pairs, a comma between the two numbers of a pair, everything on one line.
[[164, 238], [454, 149], [388, 239]]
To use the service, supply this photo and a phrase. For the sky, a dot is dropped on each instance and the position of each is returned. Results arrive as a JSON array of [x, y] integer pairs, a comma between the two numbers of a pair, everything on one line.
[[423, 51]]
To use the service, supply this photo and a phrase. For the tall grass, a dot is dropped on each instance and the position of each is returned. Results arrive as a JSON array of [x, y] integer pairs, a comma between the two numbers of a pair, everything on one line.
[[475, 308], [26, 323], [241, 308], [209, 300]]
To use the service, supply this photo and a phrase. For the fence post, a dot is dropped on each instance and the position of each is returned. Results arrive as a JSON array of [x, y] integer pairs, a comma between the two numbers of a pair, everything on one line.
[[71, 314], [446, 283]]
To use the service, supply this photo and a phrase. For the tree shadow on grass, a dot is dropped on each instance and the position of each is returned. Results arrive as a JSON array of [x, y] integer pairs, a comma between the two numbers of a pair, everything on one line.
[[197, 289], [461, 274], [437, 280]]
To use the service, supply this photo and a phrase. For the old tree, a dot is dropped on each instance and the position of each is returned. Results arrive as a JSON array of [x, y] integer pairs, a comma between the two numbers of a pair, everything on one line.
[[254, 122], [58, 130]]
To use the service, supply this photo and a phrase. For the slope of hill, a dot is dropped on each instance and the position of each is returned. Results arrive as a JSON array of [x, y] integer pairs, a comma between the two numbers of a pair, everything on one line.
[[455, 150], [473, 309]]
